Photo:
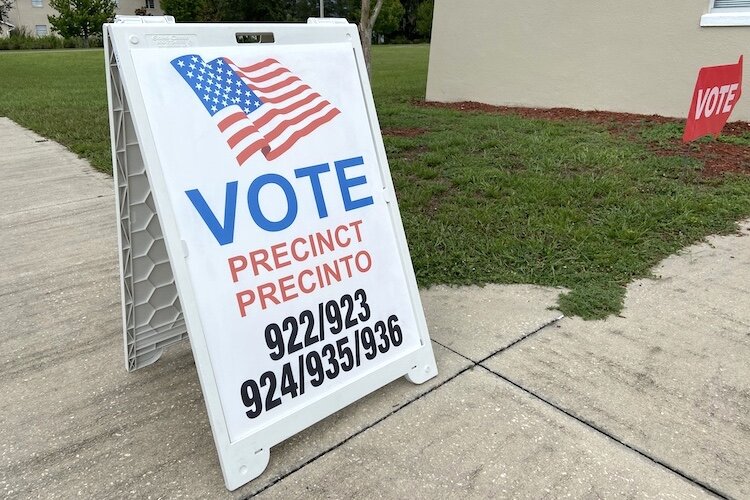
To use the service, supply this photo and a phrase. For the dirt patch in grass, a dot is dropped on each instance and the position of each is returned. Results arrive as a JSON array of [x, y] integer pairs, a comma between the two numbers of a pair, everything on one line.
[[404, 132], [411, 154], [717, 157]]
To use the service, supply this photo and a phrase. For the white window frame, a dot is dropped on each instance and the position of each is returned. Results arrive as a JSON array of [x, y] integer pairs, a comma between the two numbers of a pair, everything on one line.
[[37, 3], [739, 16], [37, 31]]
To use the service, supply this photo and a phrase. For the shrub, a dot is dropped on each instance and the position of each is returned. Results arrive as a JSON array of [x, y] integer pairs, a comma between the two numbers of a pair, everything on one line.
[[21, 39]]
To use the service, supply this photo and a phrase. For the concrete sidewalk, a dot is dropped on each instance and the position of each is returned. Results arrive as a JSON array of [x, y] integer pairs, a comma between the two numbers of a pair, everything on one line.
[[654, 403]]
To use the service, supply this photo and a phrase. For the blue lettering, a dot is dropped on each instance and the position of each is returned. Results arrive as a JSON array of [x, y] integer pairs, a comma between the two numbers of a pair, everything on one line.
[[346, 184], [224, 234], [223, 231], [314, 174], [254, 205]]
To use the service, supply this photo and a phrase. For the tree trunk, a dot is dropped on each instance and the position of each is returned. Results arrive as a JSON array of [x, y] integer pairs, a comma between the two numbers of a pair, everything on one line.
[[366, 22], [365, 34]]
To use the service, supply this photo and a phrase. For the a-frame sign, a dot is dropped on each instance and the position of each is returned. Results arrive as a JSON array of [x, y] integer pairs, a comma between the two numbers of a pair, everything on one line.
[[257, 213]]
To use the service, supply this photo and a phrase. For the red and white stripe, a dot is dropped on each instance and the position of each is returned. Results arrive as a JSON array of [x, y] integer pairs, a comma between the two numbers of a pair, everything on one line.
[[291, 110], [243, 137]]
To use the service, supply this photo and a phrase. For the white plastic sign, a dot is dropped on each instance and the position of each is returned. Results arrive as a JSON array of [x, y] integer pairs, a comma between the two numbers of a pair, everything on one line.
[[270, 180]]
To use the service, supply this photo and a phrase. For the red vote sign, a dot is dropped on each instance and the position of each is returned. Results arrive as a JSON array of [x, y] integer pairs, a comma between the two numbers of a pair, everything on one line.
[[716, 93]]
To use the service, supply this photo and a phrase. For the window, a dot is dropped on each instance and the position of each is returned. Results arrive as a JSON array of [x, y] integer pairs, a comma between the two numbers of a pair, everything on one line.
[[734, 5], [36, 3], [41, 30], [149, 4], [727, 13]]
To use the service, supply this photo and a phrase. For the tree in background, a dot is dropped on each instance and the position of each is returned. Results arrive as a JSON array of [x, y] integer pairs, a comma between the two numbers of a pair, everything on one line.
[[389, 19], [262, 10], [196, 11], [183, 11], [424, 18], [385, 17], [367, 17], [409, 20], [81, 18], [5, 7]]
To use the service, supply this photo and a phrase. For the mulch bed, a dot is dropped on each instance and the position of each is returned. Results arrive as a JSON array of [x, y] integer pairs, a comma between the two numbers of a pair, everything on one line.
[[717, 157]]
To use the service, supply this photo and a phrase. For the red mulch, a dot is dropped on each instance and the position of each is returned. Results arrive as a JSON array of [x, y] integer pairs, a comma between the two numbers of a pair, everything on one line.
[[717, 157]]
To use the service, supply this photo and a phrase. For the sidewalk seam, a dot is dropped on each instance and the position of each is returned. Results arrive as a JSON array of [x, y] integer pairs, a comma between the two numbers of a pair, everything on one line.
[[591, 425], [505, 348], [521, 339], [685, 476], [362, 430]]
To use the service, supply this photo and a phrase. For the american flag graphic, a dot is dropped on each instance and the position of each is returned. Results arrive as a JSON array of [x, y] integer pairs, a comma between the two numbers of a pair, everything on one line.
[[262, 107]]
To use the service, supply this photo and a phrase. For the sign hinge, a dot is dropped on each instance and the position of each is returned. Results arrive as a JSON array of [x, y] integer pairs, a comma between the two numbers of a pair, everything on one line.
[[144, 19]]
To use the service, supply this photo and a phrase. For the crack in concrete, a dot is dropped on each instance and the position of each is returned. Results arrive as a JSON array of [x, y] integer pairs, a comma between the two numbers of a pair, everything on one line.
[[673, 469], [408, 403], [364, 429], [684, 475]]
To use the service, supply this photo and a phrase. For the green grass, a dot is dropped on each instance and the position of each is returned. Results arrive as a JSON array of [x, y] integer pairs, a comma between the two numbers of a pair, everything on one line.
[[61, 95], [485, 198]]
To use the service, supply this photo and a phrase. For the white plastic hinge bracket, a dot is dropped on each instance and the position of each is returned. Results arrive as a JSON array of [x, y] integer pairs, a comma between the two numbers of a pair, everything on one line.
[[326, 20], [144, 19]]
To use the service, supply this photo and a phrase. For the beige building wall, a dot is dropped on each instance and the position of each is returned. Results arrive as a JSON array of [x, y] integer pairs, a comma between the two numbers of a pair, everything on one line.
[[26, 13], [33, 13], [635, 56]]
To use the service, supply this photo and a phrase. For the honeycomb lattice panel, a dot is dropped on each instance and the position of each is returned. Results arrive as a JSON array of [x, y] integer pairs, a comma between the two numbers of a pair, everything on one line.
[[152, 316]]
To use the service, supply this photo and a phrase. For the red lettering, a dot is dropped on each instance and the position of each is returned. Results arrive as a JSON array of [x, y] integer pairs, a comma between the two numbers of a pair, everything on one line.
[[259, 258], [302, 286], [332, 271], [312, 245], [339, 241], [279, 253], [320, 276], [285, 284], [233, 268], [325, 240], [297, 256], [363, 261], [244, 299], [355, 225], [346, 260], [267, 292]]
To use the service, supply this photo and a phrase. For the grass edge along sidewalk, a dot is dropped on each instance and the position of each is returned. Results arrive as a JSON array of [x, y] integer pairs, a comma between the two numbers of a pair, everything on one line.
[[485, 197]]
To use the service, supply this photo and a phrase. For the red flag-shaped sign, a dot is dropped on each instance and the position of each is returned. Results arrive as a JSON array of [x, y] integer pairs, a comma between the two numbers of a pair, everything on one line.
[[716, 93]]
